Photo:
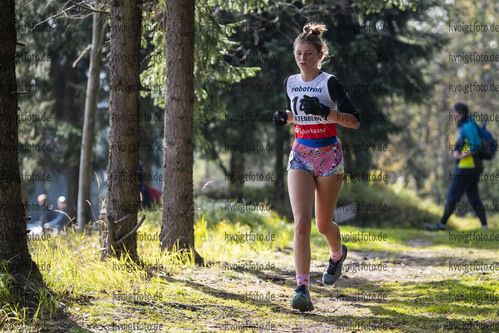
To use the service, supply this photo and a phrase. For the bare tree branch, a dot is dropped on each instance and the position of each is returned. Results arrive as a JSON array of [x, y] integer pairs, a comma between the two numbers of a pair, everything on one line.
[[122, 219], [88, 7], [88, 48], [59, 13], [131, 232], [63, 11]]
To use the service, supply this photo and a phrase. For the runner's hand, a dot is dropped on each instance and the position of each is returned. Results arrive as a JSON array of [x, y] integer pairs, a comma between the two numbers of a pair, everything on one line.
[[278, 118], [311, 105]]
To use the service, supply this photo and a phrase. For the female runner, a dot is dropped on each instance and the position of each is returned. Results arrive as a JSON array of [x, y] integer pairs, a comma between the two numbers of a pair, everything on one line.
[[316, 160]]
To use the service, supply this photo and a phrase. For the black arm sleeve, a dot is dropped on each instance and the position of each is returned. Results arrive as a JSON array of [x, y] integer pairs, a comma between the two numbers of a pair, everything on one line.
[[288, 101], [340, 97]]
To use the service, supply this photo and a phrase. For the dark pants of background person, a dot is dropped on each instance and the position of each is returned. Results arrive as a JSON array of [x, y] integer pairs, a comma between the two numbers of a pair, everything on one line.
[[465, 181]]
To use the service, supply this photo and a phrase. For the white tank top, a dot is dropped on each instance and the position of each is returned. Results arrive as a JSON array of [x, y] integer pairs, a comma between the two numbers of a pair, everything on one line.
[[309, 128]]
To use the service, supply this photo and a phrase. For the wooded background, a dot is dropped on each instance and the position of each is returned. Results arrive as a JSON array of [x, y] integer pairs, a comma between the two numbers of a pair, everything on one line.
[[402, 67], [80, 67]]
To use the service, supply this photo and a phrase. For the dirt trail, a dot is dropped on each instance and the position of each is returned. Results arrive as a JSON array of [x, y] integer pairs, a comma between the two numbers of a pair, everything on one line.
[[378, 291], [415, 290]]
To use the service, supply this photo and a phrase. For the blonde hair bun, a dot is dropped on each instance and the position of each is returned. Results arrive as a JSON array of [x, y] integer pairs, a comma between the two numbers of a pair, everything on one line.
[[312, 33], [314, 28]]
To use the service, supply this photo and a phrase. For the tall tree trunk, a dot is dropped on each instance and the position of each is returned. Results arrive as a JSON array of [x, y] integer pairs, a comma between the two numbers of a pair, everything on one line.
[[177, 227], [237, 179], [123, 173], [64, 81], [72, 187], [87, 142], [447, 159], [13, 242], [71, 115]]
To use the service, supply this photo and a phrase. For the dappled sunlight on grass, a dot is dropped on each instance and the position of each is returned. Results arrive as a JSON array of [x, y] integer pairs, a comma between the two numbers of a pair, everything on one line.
[[230, 236], [394, 206], [249, 258]]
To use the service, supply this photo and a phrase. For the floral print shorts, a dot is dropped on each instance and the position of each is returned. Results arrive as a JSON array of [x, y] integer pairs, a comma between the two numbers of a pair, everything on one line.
[[320, 162]]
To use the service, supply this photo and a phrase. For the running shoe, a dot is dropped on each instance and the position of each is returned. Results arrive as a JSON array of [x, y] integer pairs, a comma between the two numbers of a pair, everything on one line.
[[333, 270], [302, 301], [435, 227]]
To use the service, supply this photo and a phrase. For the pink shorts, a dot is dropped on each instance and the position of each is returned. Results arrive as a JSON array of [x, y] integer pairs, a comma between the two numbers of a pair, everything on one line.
[[320, 162]]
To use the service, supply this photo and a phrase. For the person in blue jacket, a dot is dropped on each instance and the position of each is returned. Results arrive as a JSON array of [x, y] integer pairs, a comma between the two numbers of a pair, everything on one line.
[[467, 170]]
